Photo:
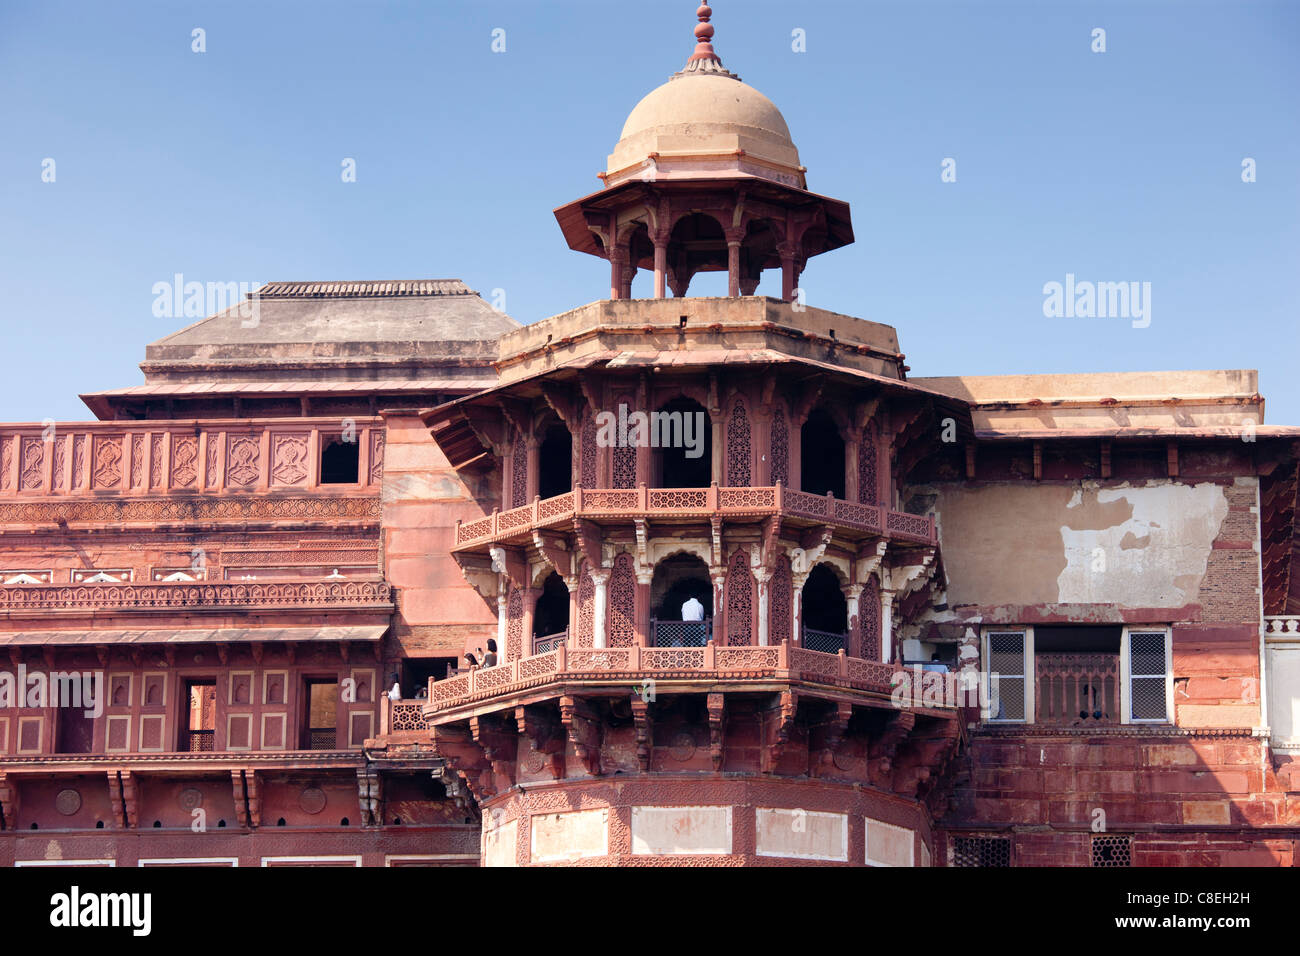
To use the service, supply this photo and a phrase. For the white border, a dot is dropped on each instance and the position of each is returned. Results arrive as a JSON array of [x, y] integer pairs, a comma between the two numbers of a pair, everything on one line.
[[187, 860], [844, 835], [18, 863], [354, 860], [1027, 646], [389, 858], [1125, 675], [866, 839]]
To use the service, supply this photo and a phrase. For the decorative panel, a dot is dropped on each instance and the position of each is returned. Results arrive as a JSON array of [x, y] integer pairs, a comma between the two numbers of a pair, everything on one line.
[[621, 626], [185, 461], [152, 732], [30, 474], [288, 459], [586, 600], [868, 491], [107, 469], [869, 621], [243, 459], [780, 457], [740, 601], [514, 648], [376, 456], [519, 472], [739, 452], [782, 589], [155, 461]]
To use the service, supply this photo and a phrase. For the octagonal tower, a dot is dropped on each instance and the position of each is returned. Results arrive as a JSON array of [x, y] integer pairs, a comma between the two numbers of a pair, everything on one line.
[[705, 177]]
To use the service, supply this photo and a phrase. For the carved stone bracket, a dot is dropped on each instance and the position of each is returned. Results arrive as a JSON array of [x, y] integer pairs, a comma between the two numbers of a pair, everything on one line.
[[466, 758], [880, 755], [252, 785], [370, 790], [645, 734], [546, 735], [825, 738], [778, 722], [717, 708], [130, 799], [500, 747], [241, 800], [114, 799], [584, 732]]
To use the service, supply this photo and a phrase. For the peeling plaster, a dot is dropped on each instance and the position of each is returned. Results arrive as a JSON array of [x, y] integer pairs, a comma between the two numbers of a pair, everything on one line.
[[1155, 557]]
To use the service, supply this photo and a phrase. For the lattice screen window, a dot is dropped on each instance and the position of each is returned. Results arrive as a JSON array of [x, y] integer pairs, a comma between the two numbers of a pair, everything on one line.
[[981, 851], [1008, 681], [1112, 850], [1149, 672]]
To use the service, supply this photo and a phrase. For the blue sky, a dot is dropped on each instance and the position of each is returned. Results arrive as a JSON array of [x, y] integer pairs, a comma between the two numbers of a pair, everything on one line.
[[225, 166]]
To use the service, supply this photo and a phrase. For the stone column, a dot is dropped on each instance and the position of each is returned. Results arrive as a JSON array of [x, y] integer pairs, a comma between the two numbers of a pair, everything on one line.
[[733, 264], [797, 582], [764, 577], [789, 278], [851, 446], [852, 595], [661, 267], [617, 267], [886, 625], [533, 466], [719, 576], [599, 604], [503, 612], [531, 596]]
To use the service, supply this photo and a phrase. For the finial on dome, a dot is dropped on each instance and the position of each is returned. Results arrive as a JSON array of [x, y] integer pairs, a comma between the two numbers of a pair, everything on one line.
[[705, 59], [704, 34]]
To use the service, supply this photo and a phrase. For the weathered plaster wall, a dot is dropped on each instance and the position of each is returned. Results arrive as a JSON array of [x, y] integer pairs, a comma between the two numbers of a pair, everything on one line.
[[1136, 545]]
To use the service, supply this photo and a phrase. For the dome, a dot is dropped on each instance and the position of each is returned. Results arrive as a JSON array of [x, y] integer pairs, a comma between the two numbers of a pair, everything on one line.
[[705, 124]]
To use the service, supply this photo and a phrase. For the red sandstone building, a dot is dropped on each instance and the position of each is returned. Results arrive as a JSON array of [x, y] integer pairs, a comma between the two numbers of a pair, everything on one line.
[[1045, 619]]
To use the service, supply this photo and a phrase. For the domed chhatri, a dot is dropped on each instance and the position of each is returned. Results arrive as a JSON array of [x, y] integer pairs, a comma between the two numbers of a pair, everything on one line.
[[705, 177]]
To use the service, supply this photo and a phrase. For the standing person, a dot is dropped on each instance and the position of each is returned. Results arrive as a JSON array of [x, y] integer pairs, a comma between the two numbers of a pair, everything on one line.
[[490, 658], [395, 692], [692, 610]]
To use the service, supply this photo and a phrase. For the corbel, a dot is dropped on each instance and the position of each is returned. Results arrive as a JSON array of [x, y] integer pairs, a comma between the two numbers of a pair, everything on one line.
[[583, 730], [716, 705]]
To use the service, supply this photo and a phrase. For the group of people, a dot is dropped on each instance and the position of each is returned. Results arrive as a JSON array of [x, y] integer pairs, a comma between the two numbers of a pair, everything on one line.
[[489, 656]]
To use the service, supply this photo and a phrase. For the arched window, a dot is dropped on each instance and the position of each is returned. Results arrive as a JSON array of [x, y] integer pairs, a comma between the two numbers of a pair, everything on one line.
[[821, 455], [825, 612], [555, 462], [678, 580], [684, 433], [551, 616]]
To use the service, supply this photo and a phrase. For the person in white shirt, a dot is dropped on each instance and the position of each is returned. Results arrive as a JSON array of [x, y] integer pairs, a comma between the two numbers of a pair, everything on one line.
[[395, 692], [692, 610]]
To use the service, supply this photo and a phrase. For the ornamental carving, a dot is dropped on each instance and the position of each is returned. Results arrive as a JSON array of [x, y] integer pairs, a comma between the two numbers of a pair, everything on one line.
[[624, 466], [868, 493], [214, 444], [137, 461], [514, 648], [740, 601], [289, 459], [155, 461], [782, 588], [112, 510], [780, 447], [30, 476], [376, 456], [587, 477], [243, 459], [519, 472], [6, 461], [78, 462], [869, 620], [107, 471], [67, 801], [622, 603], [312, 800], [216, 594], [190, 799], [185, 461], [739, 453], [586, 600], [60, 458]]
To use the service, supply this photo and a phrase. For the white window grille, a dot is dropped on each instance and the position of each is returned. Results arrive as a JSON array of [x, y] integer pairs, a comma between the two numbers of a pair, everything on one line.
[[1146, 676], [1008, 670]]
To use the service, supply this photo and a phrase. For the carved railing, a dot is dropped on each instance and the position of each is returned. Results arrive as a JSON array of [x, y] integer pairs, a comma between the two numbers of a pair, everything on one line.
[[680, 633], [544, 644], [1286, 627], [692, 503], [1076, 690], [305, 594], [828, 642], [635, 664], [404, 716], [152, 458]]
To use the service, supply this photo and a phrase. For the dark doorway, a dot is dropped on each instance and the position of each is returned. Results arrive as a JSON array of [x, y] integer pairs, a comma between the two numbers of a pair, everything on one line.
[[551, 617], [821, 455], [676, 580], [825, 612], [684, 458], [340, 463], [76, 730], [555, 462]]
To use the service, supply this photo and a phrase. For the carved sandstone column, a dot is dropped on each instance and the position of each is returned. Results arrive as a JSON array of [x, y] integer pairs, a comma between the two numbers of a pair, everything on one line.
[[599, 605]]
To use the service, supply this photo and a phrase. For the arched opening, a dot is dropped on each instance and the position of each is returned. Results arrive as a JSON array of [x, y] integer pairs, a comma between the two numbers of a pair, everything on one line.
[[681, 589], [757, 253], [821, 455], [555, 462], [696, 244], [683, 432], [551, 616], [825, 612]]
